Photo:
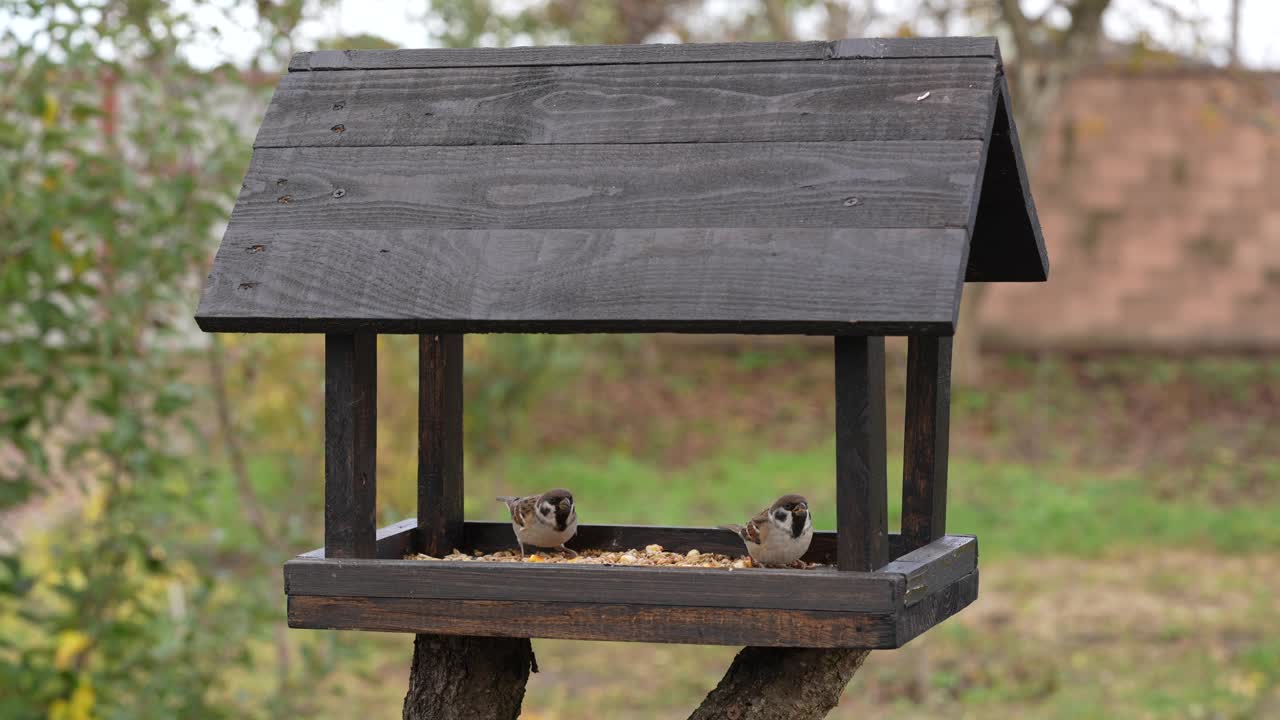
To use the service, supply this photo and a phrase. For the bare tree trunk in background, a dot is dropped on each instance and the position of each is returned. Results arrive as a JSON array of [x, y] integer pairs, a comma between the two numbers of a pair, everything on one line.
[[1235, 33], [781, 684], [1044, 60], [468, 678], [779, 17]]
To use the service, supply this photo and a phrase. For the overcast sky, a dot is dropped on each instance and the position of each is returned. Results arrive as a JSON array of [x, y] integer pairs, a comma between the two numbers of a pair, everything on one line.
[[401, 21]]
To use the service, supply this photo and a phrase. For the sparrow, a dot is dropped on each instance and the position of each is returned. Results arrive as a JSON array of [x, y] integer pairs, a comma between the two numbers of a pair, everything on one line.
[[547, 520], [780, 534]]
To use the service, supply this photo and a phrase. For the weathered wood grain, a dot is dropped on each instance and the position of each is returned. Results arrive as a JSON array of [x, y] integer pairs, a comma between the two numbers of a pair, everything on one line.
[[611, 622], [726, 280], [843, 100], [935, 608], [395, 541], [883, 48], [862, 511], [1008, 244], [813, 608], [935, 566], [494, 536], [926, 439], [816, 589], [650, 53], [557, 55], [440, 449], [925, 184], [350, 485]]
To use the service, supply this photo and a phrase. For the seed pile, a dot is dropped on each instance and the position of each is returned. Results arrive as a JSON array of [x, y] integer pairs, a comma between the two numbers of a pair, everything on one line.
[[650, 556]]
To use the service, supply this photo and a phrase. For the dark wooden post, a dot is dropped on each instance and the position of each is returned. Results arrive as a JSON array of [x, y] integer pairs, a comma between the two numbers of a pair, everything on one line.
[[862, 511], [350, 438], [440, 443], [924, 470], [454, 678]]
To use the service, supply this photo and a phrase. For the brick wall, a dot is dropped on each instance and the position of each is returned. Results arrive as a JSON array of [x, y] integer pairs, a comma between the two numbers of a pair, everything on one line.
[[1159, 193]]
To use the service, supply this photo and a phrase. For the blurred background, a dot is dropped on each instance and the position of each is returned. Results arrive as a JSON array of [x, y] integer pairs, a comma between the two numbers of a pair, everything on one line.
[[1115, 432]]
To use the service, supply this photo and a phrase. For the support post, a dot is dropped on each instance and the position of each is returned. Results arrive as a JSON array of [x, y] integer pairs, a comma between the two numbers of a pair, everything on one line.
[[350, 438], [862, 511], [928, 419], [440, 443]]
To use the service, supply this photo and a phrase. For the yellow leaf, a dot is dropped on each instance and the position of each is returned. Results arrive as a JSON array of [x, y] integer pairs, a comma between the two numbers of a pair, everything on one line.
[[94, 507], [82, 701], [70, 644], [49, 183], [55, 239], [1247, 685], [50, 109]]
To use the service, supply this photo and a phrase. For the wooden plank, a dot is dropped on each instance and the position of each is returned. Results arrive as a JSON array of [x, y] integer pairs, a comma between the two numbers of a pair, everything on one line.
[[1008, 244], [820, 185], [494, 536], [557, 55], [440, 479], [862, 521], [816, 589], [393, 542], [650, 53], [396, 541], [782, 280], [490, 537], [953, 47], [350, 485], [937, 607], [691, 102], [935, 566], [582, 621], [928, 413]]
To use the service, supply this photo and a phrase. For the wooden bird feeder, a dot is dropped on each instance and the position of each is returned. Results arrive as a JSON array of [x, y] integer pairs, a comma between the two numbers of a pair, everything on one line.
[[846, 189]]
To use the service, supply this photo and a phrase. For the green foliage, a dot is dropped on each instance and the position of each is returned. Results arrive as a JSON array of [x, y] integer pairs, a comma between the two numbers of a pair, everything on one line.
[[116, 170]]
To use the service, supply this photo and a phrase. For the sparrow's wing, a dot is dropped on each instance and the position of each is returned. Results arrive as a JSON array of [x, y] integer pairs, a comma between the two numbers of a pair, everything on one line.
[[522, 511], [757, 528]]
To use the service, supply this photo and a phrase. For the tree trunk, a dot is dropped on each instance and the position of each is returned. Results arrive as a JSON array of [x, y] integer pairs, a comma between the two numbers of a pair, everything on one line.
[[781, 684], [475, 678], [966, 350], [468, 678]]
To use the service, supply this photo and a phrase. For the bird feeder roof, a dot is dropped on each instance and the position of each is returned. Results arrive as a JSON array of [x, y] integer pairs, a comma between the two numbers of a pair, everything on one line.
[[845, 187]]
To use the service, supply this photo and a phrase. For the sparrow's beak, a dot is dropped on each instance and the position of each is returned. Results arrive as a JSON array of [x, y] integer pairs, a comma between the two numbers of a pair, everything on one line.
[[565, 504], [800, 510]]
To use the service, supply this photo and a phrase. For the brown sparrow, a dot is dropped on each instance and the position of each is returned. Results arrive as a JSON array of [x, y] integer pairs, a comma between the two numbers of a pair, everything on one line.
[[547, 520], [779, 535]]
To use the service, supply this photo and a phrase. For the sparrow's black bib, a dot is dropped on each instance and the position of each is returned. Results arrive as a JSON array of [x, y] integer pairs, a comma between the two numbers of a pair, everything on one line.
[[797, 525]]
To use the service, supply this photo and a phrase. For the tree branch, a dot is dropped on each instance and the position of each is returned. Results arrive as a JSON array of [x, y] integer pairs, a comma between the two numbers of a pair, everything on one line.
[[468, 678], [1019, 26], [781, 684], [230, 440], [775, 12]]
